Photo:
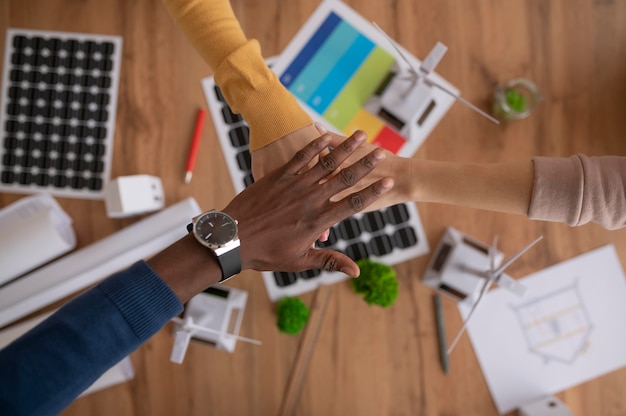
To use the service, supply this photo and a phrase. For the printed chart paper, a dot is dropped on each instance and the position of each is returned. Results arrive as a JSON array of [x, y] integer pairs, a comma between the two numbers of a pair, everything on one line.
[[339, 64]]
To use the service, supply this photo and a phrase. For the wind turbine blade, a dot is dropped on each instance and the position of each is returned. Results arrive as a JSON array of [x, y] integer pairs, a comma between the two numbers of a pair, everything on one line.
[[393, 44], [428, 80], [197, 328], [475, 271], [463, 100], [515, 256], [433, 58], [181, 342], [486, 286], [493, 250]]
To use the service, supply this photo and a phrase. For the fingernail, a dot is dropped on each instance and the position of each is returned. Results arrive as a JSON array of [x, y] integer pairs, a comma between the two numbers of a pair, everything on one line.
[[387, 183], [379, 154], [360, 136], [320, 127], [346, 270]]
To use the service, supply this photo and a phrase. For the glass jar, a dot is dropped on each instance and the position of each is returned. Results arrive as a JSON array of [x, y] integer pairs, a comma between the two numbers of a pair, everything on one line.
[[515, 100]]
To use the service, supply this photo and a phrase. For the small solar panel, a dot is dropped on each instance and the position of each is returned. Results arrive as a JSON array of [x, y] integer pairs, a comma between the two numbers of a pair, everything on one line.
[[59, 100]]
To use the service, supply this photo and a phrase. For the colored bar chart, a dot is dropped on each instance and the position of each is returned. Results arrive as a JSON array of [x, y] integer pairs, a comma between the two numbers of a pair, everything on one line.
[[341, 73], [321, 63], [310, 48], [335, 73], [358, 89]]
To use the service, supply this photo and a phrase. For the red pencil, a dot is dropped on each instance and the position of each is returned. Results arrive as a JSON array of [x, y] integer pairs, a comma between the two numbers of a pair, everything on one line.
[[195, 142]]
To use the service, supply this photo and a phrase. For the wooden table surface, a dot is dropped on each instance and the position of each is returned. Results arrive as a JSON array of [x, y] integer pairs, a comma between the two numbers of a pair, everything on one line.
[[368, 360]]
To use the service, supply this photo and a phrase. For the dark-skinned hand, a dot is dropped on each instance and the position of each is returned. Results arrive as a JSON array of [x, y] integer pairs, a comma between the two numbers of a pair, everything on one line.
[[282, 214]]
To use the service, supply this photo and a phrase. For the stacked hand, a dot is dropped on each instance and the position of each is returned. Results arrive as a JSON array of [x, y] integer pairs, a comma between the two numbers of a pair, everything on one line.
[[282, 214], [280, 151]]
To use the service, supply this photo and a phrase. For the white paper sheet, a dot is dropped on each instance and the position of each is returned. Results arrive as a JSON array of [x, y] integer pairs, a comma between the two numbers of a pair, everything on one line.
[[33, 231], [568, 329]]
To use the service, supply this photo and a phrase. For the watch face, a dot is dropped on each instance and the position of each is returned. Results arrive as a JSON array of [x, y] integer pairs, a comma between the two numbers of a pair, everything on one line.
[[216, 228]]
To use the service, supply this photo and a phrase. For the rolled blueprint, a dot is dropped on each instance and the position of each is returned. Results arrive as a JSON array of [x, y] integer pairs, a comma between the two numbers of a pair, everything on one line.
[[96, 261]]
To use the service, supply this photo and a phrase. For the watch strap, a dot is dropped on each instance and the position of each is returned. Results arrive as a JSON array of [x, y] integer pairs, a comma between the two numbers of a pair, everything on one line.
[[230, 262]]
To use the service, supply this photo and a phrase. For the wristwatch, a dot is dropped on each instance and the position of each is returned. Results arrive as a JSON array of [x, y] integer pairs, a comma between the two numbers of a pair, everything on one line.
[[217, 231]]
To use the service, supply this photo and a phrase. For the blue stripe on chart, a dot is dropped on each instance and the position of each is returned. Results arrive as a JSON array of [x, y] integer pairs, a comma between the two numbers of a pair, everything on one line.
[[323, 61], [344, 69], [314, 43]]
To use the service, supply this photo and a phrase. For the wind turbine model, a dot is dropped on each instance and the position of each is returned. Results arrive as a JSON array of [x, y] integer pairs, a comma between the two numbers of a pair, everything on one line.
[[405, 93], [464, 269], [208, 317]]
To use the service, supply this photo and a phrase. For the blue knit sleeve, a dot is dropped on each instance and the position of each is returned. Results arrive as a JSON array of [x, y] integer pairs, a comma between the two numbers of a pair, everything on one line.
[[43, 371]]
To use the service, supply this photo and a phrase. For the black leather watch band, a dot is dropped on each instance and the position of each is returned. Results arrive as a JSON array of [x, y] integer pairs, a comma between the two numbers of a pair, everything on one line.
[[230, 263]]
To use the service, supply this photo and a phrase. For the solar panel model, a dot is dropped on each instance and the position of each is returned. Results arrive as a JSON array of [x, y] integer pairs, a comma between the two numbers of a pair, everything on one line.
[[59, 100]]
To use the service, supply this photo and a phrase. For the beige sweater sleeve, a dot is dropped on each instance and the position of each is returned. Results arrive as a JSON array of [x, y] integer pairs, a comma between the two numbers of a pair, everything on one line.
[[580, 189]]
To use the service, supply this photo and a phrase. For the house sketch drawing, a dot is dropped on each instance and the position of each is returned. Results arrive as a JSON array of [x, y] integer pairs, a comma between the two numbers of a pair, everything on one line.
[[556, 325]]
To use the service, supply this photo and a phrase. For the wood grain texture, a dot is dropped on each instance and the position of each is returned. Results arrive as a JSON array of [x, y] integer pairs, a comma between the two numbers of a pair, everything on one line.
[[306, 349], [369, 361]]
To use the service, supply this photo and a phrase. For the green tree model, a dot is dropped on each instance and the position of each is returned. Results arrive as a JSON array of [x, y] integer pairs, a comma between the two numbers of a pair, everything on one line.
[[293, 314], [377, 283]]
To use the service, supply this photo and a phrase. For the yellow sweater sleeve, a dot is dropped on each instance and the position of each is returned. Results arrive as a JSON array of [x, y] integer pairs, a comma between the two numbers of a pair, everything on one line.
[[248, 85]]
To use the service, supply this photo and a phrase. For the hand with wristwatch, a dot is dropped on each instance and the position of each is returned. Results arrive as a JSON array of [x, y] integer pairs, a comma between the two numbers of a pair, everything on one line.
[[273, 224]]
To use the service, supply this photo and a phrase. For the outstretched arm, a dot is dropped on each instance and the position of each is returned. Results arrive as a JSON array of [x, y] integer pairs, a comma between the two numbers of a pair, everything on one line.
[[249, 86], [280, 216], [575, 190], [279, 126], [504, 187]]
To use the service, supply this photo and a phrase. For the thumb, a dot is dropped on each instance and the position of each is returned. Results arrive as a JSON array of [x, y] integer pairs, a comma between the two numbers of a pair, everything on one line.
[[331, 260]]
